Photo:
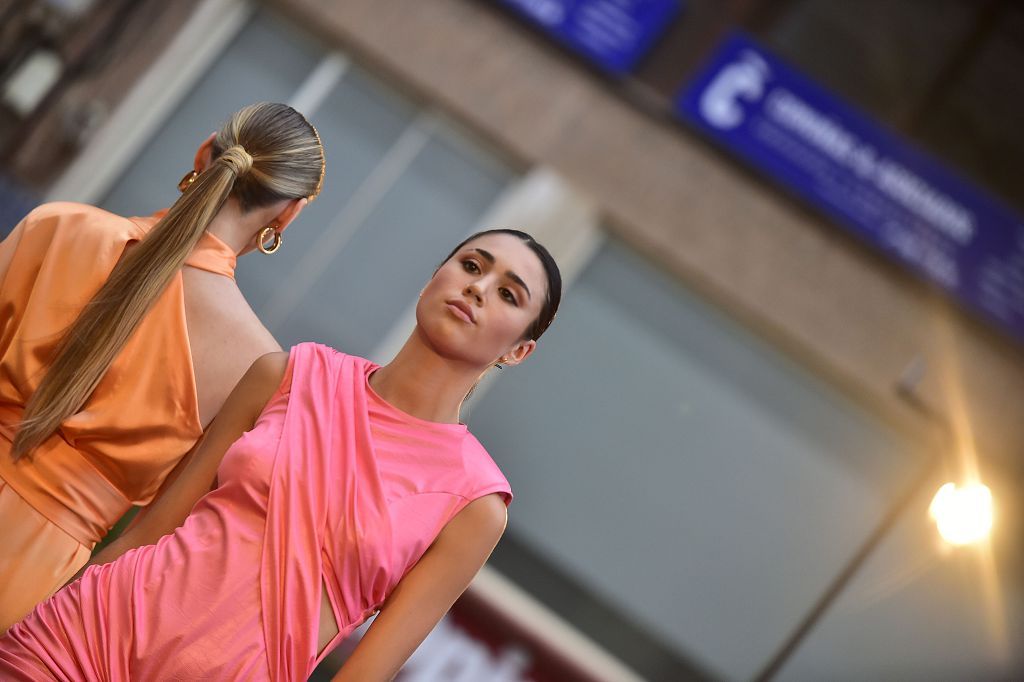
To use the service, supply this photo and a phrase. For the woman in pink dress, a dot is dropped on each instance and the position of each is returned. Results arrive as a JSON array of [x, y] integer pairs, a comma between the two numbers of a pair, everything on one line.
[[339, 489]]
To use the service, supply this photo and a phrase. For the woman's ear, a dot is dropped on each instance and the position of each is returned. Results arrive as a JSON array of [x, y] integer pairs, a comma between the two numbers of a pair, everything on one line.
[[289, 213], [518, 353], [204, 155]]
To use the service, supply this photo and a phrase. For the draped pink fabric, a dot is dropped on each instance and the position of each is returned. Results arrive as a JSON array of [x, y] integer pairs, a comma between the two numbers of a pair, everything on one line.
[[297, 516], [332, 487]]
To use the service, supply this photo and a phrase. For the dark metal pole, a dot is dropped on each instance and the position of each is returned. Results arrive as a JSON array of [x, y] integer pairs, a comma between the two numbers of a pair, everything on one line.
[[905, 389], [839, 583]]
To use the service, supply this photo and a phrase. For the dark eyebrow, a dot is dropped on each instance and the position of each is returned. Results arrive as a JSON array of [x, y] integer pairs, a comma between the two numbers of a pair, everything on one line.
[[511, 275], [519, 280]]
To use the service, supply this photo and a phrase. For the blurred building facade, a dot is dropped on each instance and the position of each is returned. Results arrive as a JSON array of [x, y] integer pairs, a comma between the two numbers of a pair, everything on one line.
[[738, 394]]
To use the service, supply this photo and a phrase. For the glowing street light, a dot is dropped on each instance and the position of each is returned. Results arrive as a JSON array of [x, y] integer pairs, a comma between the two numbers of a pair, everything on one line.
[[962, 514]]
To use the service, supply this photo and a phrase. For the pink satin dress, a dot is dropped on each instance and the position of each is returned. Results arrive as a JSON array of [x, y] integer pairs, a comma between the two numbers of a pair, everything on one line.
[[332, 488], [139, 422]]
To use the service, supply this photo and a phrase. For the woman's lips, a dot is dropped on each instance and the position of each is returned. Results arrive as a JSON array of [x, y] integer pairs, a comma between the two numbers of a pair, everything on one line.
[[462, 311]]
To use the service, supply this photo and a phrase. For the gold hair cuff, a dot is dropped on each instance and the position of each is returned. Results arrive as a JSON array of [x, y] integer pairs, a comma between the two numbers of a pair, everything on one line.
[[323, 163]]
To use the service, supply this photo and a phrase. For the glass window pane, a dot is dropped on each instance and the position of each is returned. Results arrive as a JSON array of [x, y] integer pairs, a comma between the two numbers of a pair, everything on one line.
[[680, 468]]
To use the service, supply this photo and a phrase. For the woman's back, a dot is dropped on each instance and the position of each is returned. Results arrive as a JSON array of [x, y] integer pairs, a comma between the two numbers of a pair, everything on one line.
[[225, 337], [62, 254], [224, 334]]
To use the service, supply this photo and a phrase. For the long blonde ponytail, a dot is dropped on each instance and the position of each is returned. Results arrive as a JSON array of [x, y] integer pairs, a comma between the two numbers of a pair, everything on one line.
[[265, 153]]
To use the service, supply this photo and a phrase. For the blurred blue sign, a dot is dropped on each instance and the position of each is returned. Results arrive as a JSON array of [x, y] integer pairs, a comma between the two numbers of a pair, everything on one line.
[[865, 177], [614, 34], [15, 203]]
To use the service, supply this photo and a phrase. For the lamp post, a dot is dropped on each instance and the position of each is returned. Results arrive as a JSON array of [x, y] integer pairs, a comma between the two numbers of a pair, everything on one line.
[[964, 513]]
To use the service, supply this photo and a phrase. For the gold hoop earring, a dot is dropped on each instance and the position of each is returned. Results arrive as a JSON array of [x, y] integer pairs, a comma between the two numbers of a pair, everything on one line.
[[261, 240], [187, 181]]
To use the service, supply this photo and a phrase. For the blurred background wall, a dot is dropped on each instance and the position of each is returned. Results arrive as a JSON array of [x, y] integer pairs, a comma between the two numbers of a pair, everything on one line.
[[725, 450]]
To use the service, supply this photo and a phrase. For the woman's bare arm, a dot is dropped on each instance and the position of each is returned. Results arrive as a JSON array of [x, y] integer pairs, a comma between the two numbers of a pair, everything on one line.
[[239, 413], [426, 593], [169, 480]]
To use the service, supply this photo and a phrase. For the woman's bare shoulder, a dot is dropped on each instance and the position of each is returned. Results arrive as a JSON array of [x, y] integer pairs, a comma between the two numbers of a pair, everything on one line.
[[481, 522], [262, 379], [271, 365]]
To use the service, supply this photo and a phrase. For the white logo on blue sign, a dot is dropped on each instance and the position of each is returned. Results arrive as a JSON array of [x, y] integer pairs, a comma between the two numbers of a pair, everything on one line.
[[743, 80]]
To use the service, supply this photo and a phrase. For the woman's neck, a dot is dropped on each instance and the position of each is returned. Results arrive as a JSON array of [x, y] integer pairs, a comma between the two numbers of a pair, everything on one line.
[[235, 228], [424, 384]]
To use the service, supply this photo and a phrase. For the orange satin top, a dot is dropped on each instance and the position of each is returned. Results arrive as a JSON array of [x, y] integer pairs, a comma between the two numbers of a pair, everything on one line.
[[142, 417]]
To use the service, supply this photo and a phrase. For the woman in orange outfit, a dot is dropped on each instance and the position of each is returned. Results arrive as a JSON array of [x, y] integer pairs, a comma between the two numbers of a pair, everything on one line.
[[114, 357]]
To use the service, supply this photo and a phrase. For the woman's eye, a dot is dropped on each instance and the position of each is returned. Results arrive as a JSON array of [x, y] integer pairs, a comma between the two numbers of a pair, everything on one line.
[[509, 296], [470, 266]]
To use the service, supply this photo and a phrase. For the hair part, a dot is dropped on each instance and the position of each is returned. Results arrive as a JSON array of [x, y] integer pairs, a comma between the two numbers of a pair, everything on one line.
[[265, 153]]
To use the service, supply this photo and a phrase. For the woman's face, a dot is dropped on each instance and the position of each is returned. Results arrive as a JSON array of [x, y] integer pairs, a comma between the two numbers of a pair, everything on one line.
[[478, 305]]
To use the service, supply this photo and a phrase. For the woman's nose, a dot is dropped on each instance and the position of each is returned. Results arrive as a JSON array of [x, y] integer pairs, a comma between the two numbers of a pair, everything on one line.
[[473, 290]]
